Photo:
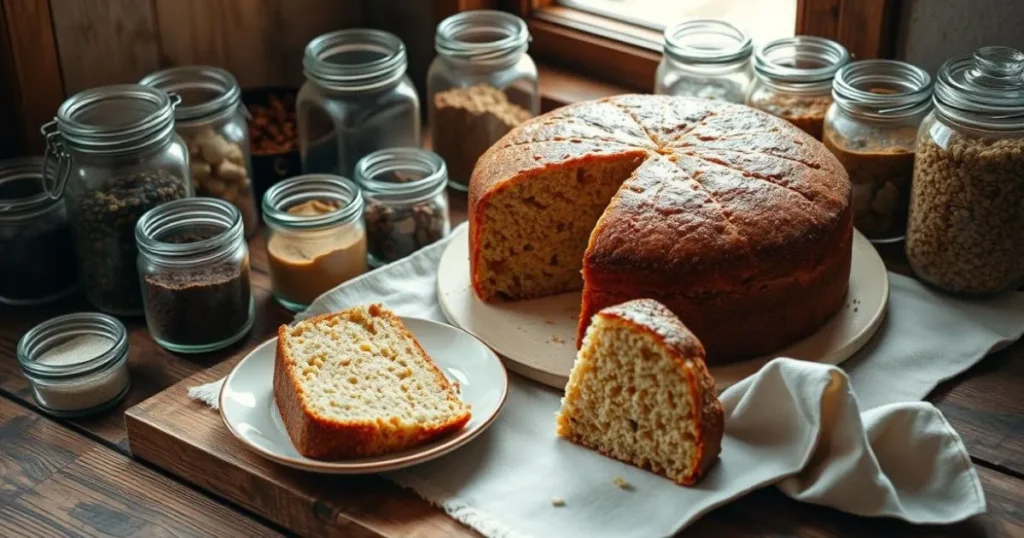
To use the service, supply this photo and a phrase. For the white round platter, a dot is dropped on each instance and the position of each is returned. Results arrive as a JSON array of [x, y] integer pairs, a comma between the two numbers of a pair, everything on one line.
[[248, 409], [537, 338]]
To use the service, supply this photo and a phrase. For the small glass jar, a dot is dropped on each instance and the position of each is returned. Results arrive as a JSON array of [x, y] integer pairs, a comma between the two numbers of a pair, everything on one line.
[[872, 129], [480, 85], [77, 364], [115, 150], [793, 79], [357, 99], [707, 59], [211, 119], [315, 236], [38, 255], [966, 226], [194, 272], [406, 202]]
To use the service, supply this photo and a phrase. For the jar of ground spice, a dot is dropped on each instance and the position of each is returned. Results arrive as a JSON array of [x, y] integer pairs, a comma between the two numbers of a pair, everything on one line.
[[793, 79], [480, 85], [76, 364], [212, 121], [406, 201], [707, 59], [194, 269], [872, 129], [37, 255], [966, 226], [315, 236], [115, 150]]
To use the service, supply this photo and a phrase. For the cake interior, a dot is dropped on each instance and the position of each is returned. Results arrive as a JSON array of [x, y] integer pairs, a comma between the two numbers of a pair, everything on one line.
[[628, 399], [538, 230]]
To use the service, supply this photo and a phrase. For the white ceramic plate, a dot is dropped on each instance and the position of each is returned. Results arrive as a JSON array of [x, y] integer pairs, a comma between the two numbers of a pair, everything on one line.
[[537, 338], [248, 409]]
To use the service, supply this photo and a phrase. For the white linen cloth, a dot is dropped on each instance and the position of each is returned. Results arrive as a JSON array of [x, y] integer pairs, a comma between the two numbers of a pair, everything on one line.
[[858, 441]]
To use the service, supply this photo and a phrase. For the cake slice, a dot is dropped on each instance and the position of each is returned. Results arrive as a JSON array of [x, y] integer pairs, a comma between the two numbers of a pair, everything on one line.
[[639, 392], [356, 383]]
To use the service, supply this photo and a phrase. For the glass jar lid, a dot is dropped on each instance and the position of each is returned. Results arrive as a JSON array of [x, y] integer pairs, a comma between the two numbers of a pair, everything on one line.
[[406, 175], [800, 60], [882, 88], [189, 230], [339, 191], [23, 193], [56, 331], [707, 41], [483, 36], [114, 119], [355, 60], [206, 92], [984, 88]]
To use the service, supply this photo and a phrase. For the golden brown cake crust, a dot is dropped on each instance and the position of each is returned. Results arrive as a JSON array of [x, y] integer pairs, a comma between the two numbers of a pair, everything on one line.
[[731, 206]]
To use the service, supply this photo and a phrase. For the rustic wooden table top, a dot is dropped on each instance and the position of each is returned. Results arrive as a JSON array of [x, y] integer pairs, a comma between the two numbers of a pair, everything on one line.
[[78, 478]]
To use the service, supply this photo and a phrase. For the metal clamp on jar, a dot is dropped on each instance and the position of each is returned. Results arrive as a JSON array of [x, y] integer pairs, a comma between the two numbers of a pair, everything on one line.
[[113, 155], [708, 59]]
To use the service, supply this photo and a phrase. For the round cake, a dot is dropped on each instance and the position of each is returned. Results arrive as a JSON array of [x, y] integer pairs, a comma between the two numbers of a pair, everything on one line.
[[734, 219]]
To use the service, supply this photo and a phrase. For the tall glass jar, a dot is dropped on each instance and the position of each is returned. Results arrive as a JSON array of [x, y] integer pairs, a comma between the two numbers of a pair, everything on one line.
[[872, 129], [406, 201], [114, 155], [212, 120], [966, 226], [37, 254], [793, 79], [480, 85], [706, 58], [315, 236], [194, 272], [357, 99]]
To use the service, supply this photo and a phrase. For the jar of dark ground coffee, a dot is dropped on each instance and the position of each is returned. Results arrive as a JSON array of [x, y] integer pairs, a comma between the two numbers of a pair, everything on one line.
[[194, 269]]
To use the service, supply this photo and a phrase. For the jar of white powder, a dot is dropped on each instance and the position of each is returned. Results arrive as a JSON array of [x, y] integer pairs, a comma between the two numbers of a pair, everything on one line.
[[76, 364]]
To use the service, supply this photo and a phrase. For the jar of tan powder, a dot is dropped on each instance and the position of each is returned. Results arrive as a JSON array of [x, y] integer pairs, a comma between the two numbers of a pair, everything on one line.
[[315, 236]]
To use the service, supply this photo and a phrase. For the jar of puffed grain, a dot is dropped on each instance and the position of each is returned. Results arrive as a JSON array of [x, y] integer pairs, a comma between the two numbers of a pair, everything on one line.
[[966, 225]]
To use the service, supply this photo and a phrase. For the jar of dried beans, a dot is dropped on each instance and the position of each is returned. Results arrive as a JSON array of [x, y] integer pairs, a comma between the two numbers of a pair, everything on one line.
[[480, 85], [966, 224], [112, 153], [872, 129], [212, 121], [709, 59], [793, 79], [406, 202]]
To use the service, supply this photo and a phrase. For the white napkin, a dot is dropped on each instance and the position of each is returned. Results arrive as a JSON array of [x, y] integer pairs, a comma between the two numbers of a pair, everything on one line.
[[795, 424]]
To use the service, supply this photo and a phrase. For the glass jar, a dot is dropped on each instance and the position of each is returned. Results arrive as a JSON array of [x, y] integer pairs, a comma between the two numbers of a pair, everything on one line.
[[194, 272], [480, 85], [707, 59], [406, 201], [38, 255], [357, 99], [793, 79], [315, 236], [966, 226], [211, 119], [872, 129], [77, 364], [115, 155]]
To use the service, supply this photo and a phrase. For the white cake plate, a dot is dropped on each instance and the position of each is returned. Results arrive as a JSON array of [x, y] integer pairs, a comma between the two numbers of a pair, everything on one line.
[[537, 338]]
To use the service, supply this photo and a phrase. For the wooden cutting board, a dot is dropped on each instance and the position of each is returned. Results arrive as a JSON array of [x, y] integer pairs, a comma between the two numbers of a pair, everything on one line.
[[189, 440]]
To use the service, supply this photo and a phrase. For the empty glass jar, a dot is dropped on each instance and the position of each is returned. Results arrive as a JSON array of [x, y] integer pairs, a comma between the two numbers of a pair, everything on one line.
[[480, 85], [357, 99], [212, 121], [793, 79], [115, 150], [708, 59]]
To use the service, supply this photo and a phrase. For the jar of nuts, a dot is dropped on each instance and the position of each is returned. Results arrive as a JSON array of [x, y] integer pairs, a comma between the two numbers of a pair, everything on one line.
[[966, 226], [872, 129], [212, 121], [406, 202], [793, 79]]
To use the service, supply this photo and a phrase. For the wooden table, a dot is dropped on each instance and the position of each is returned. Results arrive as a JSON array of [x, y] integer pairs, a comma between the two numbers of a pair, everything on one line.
[[78, 478]]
